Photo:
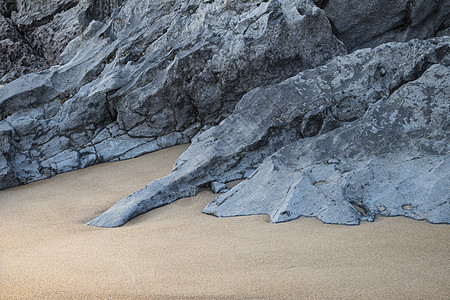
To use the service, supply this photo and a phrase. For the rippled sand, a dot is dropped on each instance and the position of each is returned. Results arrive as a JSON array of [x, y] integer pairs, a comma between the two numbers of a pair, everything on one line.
[[46, 251]]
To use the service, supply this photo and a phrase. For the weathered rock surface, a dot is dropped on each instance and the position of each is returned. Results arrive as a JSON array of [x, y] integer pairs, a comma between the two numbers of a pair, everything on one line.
[[394, 161], [151, 76], [120, 78], [42, 29], [17, 56], [98, 10], [356, 92], [33, 34], [370, 23]]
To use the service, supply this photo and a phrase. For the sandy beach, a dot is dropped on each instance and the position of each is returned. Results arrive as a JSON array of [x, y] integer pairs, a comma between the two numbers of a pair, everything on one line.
[[47, 251]]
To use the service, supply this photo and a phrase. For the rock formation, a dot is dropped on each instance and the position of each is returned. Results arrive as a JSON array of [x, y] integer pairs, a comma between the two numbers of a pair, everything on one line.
[[151, 77], [352, 93], [255, 85]]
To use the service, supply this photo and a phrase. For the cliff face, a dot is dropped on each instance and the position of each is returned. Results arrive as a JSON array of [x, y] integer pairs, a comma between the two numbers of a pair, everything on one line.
[[34, 33], [152, 76], [246, 78]]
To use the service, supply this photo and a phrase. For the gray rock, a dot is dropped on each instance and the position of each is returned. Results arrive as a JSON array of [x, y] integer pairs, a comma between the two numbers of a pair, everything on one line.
[[392, 162], [7, 175], [137, 76], [17, 56], [25, 13], [50, 39], [34, 33], [99, 10], [218, 187], [370, 23], [266, 119], [152, 75]]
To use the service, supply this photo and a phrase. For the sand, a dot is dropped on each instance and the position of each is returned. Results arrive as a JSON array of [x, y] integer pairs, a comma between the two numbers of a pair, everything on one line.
[[46, 251]]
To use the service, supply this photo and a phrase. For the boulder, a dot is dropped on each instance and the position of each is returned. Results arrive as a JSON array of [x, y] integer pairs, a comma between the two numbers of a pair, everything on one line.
[[218, 187]]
